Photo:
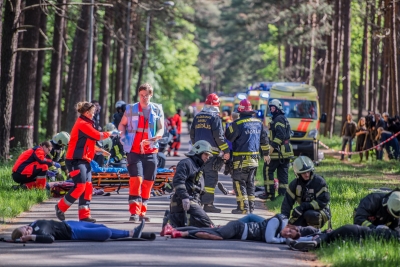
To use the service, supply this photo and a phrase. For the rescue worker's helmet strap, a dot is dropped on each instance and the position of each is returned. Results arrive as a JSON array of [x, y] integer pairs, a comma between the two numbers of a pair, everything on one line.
[[302, 164], [62, 138], [393, 204]]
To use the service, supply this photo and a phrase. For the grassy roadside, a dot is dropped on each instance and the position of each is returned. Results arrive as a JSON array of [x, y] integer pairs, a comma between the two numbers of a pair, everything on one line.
[[349, 182], [13, 202]]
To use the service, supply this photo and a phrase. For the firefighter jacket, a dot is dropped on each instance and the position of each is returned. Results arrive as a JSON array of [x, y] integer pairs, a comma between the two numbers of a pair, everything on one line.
[[310, 195], [186, 181], [117, 150], [133, 113], [256, 230], [57, 154], [372, 211], [247, 135], [207, 126], [29, 160], [83, 139], [280, 137]]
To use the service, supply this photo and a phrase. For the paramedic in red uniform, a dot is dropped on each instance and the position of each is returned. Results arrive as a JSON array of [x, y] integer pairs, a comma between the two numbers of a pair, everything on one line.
[[80, 153], [177, 121], [141, 125], [31, 166]]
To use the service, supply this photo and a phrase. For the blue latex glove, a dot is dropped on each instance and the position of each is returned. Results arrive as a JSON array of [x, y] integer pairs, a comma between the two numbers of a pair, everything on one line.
[[57, 165], [115, 133], [51, 174], [112, 160]]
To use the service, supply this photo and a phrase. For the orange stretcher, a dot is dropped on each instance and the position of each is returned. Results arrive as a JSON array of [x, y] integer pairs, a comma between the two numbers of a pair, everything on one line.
[[111, 182]]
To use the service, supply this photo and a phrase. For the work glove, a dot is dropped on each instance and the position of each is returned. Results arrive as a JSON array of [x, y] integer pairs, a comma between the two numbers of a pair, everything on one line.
[[56, 164], [51, 174], [381, 226], [297, 212], [267, 159], [186, 204], [218, 163]]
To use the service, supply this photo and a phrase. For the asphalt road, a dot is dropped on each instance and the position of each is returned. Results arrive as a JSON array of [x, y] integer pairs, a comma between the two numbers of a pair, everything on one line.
[[113, 211]]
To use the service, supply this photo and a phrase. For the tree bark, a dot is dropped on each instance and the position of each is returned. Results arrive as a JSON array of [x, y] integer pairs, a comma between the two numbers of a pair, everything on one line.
[[39, 75], [363, 84], [8, 56], [105, 63], [27, 87], [346, 59], [394, 88], [53, 106], [119, 65], [76, 86]]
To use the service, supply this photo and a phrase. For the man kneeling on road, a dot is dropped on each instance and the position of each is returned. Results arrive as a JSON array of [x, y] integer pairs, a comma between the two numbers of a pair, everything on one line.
[[310, 191], [188, 188]]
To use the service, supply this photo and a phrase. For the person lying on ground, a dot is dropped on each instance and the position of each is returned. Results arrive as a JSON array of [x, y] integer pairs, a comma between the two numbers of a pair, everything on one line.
[[346, 232], [274, 230], [47, 231]]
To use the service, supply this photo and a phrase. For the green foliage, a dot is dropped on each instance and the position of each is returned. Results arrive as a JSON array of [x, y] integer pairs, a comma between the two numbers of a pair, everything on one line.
[[13, 202]]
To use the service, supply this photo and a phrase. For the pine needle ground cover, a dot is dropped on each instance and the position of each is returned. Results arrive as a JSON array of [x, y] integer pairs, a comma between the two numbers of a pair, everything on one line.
[[348, 183]]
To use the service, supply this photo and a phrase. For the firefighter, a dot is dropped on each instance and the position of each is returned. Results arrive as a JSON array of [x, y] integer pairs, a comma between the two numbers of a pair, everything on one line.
[[80, 153], [188, 189], [59, 142], [280, 151], [310, 191], [114, 146], [141, 126], [32, 165], [379, 210], [247, 134], [207, 126]]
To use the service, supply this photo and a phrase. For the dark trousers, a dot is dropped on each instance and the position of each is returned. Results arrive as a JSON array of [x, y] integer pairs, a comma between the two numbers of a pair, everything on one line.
[[210, 181], [243, 185], [315, 218], [196, 216], [282, 167], [345, 140], [233, 230]]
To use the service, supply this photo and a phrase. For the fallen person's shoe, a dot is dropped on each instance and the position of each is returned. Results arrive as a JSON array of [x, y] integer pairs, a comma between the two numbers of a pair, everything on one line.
[[137, 231], [60, 215], [222, 188], [267, 197], [211, 209], [259, 189], [88, 219], [176, 234], [303, 245], [144, 217], [167, 230]]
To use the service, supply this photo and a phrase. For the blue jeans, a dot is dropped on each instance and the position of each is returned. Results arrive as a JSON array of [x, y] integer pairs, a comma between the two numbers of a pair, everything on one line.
[[346, 139], [94, 232], [251, 218]]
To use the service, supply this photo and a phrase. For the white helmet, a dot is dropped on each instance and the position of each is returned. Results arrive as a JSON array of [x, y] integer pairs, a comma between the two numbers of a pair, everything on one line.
[[107, 144], [393, 204], [62, 138], [200, 147], [276, 103], [119, 104], [302, 164], [109, 127]]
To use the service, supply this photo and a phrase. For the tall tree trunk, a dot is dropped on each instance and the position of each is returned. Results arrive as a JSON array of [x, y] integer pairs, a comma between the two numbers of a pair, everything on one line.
[[337, 52], [53, 106], [95, 59], [119, 22], [27, 87], [363, 86], [39, 75], [1, 23], [346, 59], [105, 63], [394, 81], [76, 87], [8, 56]]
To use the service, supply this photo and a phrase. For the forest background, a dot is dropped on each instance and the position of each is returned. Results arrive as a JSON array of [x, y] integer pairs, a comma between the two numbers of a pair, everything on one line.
[[57, 53]]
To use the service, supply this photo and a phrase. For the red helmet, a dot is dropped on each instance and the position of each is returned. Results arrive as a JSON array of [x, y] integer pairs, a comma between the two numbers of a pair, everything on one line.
[[244, 106], [213, 100]]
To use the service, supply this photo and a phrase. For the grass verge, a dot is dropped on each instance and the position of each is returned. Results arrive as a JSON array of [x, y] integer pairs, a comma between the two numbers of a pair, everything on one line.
[[348, 183]]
